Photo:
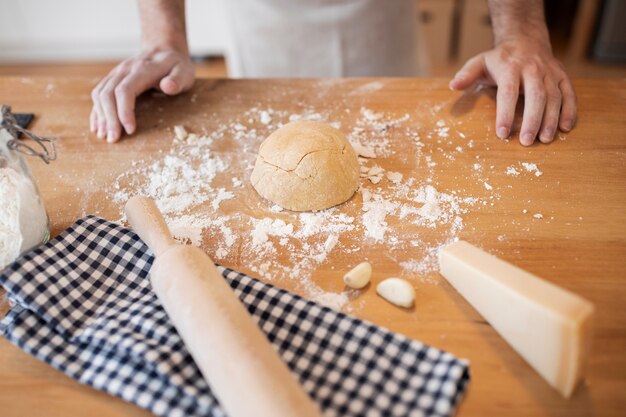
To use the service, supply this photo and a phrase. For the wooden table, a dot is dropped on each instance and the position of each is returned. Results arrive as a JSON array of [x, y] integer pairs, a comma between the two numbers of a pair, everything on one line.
[[580, 244]]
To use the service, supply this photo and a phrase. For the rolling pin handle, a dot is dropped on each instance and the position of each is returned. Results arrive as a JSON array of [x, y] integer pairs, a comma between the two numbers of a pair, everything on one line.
[[146, 219]]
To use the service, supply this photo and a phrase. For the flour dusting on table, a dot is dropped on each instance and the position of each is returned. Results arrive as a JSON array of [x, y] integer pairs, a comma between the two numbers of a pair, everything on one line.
[[206, 197]]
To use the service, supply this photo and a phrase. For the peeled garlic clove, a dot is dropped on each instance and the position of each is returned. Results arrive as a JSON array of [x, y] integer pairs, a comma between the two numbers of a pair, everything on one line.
[[397, 291], [359, 276]]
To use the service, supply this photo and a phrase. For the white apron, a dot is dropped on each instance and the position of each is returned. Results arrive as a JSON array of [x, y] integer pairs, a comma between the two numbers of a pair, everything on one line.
[[322, 38]]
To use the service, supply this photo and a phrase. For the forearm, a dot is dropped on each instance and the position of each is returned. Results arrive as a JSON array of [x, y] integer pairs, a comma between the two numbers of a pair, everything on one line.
[[163, 25], [512, 19]]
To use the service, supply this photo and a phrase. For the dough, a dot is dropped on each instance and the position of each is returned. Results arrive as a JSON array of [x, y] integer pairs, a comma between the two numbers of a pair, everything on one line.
[[306, 165]]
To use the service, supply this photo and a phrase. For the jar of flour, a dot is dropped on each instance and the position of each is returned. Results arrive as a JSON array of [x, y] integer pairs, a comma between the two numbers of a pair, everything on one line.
[[23, 219]]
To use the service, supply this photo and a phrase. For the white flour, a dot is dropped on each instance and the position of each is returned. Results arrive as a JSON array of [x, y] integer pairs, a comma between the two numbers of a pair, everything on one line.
[[268, 227], [207, 199], [10, 234], [511, 170], [531, 167], [373, 219], [23, 219], [179, 182], [516, 169]]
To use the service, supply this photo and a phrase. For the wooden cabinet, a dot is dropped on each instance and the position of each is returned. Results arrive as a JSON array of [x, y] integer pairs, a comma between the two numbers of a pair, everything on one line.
[[435, 20], [475, 32]]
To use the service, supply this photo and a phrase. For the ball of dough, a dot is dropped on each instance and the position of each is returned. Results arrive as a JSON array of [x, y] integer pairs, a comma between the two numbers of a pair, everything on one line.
[[306, 165]]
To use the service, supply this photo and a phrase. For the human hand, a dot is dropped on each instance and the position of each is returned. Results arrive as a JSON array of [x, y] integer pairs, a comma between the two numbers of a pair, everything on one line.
[[113, 98], [524, 65]]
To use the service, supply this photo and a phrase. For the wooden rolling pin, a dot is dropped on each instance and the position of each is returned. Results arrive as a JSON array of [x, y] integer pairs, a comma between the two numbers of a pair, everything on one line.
[[243, 370]]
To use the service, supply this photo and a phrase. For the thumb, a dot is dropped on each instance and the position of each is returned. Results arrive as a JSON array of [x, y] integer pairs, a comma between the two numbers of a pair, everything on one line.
[[178, 80], [472, 71]]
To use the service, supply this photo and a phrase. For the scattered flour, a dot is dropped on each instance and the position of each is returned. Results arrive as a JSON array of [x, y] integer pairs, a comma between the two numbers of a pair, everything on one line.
[[269, 227], [393, 212], [363, 150], [516, 169], [265, 117], [330, 299], [222, 195], [371, 132], [373, 219], [531, 167], [511, 170], [394, 177], [180, 132], [178, 183], [368, 88]]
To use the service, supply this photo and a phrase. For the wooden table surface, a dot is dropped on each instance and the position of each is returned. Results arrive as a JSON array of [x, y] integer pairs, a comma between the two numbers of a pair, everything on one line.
[[579, 244]]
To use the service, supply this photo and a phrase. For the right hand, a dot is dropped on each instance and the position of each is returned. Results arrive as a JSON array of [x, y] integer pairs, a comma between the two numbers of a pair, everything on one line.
[[169, 71], [524, 65]]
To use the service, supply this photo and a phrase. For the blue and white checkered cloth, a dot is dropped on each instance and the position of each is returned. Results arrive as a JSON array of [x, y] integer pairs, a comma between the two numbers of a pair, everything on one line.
[[83, 303]]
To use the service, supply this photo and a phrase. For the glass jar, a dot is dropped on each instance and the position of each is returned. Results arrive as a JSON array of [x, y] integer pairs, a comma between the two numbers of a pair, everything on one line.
[[24, 222]]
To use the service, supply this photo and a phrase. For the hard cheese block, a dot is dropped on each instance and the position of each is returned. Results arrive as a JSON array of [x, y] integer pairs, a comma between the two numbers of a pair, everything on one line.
[[549, 326]]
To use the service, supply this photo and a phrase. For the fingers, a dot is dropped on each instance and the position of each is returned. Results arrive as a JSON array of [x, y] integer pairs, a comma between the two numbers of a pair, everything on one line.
[[534, 106], [129, 88], [98, 116], [170, 86], [550, 120], [568, 108], [125, 95], [179, 79], [506, 101], [93, 121], [549, 105], [108, 102], [472, 71], [114, 97], [550, 100]]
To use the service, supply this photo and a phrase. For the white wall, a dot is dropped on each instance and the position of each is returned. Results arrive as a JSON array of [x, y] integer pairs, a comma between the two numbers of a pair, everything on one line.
[[79, 30]]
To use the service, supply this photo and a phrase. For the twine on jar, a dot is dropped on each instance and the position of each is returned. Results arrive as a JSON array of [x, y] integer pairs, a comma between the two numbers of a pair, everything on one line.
[[10, 124]]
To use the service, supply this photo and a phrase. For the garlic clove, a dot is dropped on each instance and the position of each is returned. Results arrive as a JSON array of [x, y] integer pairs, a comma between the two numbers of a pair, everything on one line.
[[397, 291], [359, 276]]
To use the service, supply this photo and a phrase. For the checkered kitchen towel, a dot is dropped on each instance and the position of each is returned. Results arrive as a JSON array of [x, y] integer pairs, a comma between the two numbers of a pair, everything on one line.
[[83, 304]]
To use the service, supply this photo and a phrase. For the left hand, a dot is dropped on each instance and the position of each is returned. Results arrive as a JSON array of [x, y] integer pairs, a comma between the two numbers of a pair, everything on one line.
[[524, 66]]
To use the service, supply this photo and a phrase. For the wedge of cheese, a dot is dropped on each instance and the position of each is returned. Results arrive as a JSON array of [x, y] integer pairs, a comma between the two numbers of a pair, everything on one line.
[[548, 326]]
